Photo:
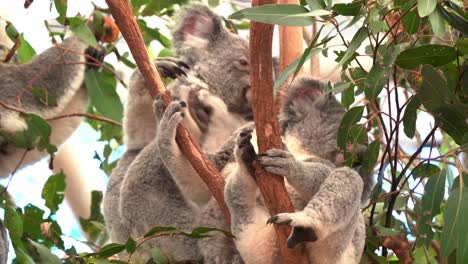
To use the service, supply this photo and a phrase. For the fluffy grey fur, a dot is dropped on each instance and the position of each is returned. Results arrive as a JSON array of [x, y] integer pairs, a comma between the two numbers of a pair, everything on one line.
[[331, 223], [58, 70], [159, 187]]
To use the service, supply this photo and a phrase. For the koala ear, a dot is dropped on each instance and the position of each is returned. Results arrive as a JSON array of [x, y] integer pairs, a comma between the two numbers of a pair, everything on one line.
[[196, 27], [300, 97]]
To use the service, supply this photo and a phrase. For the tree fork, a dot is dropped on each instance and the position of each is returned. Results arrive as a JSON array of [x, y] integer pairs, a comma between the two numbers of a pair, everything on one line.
[[123, 15], [272, 186]]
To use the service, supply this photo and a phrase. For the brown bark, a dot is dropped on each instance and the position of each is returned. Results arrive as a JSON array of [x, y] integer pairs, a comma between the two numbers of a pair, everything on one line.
[[271, 186], [122, 13]]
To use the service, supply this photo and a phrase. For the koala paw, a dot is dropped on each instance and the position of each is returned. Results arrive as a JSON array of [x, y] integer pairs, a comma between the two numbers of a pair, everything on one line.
[[302, 230], [96, 57], [172, 116], [171, 67], [277, 161], [245, 152]]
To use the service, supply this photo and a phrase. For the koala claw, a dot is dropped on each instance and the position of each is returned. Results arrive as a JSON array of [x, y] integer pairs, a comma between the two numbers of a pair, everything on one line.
[[300, 231], [277, 161], [277, 153]]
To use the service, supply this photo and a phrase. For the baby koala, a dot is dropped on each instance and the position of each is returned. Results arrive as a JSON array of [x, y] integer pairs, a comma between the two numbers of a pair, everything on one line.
[[327, 198]]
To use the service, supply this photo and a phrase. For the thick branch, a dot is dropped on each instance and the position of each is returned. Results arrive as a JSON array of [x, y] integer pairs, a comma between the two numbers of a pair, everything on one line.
[[122, 12], [271, 186]]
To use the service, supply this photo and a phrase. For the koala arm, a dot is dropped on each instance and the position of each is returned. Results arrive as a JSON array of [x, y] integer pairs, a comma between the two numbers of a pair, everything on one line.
[[59, 70], [305, 176]]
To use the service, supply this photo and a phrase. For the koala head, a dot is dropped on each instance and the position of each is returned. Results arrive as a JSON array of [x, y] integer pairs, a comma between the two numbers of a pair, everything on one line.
[[216, 56], [310, 118]]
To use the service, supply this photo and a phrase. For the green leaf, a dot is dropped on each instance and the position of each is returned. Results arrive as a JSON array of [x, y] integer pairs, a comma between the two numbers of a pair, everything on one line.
[[108, 250], [411, 22], [425, 7], [425, 170], [294, 65], [201, 232], [32, 220], [286, 15], [437, 23], [355, 43], [13, 223], [350, 118], [11, 31], [376, 80], [159, 229], [61, 7], [455, 231], [46, 257], [53, 191], [130, 245], [139, 3], [350, 9], [410, 116], [433, 196], [101, 89], [315, 4], [371, 156], [43, 96], [462, 45], [25, 51], [433, 54], [82, 31], [453, 18]]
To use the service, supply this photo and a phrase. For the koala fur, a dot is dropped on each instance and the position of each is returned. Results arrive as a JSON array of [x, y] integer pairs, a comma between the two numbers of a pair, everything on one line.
[[328, 219], [58, 70], [154, 185]]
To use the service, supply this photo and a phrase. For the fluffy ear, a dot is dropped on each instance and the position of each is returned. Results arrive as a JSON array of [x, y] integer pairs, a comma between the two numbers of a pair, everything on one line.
[[299, 99], [196, 27]]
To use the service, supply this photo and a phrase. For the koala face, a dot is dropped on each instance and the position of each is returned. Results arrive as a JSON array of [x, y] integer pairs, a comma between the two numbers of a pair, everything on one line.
[[217, 57], [310, 119]]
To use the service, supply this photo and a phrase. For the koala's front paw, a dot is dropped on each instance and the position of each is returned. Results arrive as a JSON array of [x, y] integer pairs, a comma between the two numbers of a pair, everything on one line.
[[95, 57], [171, 67], [172, 116], [245, 152], [302, 229], [278, 161]]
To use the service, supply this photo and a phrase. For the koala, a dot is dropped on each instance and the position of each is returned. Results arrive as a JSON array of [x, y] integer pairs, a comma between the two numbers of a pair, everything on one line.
[[147, 188], [327, 197], [58, 70]]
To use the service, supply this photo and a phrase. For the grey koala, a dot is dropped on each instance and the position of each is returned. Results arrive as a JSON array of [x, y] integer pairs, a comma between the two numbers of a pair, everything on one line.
[[328, 216], [149, 186], [58, 70]]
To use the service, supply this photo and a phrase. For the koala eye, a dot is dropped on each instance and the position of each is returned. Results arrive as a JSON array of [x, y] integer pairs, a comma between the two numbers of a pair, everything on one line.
[[243, 62]]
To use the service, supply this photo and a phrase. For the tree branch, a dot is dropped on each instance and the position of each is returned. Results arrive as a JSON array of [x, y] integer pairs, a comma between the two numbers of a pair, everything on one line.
[[122, 13], [268, 132]]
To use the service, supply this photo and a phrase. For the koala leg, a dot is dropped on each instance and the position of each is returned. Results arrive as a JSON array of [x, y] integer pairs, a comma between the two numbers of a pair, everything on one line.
[[191, 185], [255, 241], [333, 210], [305, 177], [217, 248]]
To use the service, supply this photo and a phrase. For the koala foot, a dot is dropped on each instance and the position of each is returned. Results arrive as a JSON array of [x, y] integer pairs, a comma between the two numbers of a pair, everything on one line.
[[277, 161], [245, 152], [171, 67], [302, 230]]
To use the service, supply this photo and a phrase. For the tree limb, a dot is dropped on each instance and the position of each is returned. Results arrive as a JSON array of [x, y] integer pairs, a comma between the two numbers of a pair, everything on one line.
[[271, 186], [122, 13]]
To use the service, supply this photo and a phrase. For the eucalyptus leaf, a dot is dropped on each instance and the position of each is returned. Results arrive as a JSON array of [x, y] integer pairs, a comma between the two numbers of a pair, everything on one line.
[[437, 23], [433, 54], [286, 15], [53, 191], [410, 116], [426, 7], [82, 31], [355, 43]]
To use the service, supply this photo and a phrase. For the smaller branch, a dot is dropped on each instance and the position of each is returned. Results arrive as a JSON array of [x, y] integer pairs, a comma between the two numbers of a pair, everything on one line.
[[13, 49], [90, 116]]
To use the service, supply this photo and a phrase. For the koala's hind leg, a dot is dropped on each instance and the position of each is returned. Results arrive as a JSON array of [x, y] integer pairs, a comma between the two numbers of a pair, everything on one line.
[[255, 241], [332, 212]]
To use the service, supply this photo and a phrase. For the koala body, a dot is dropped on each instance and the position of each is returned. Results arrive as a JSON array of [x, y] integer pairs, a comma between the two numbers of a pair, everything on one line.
[[327, 199], [153, 184], [59, 70]]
